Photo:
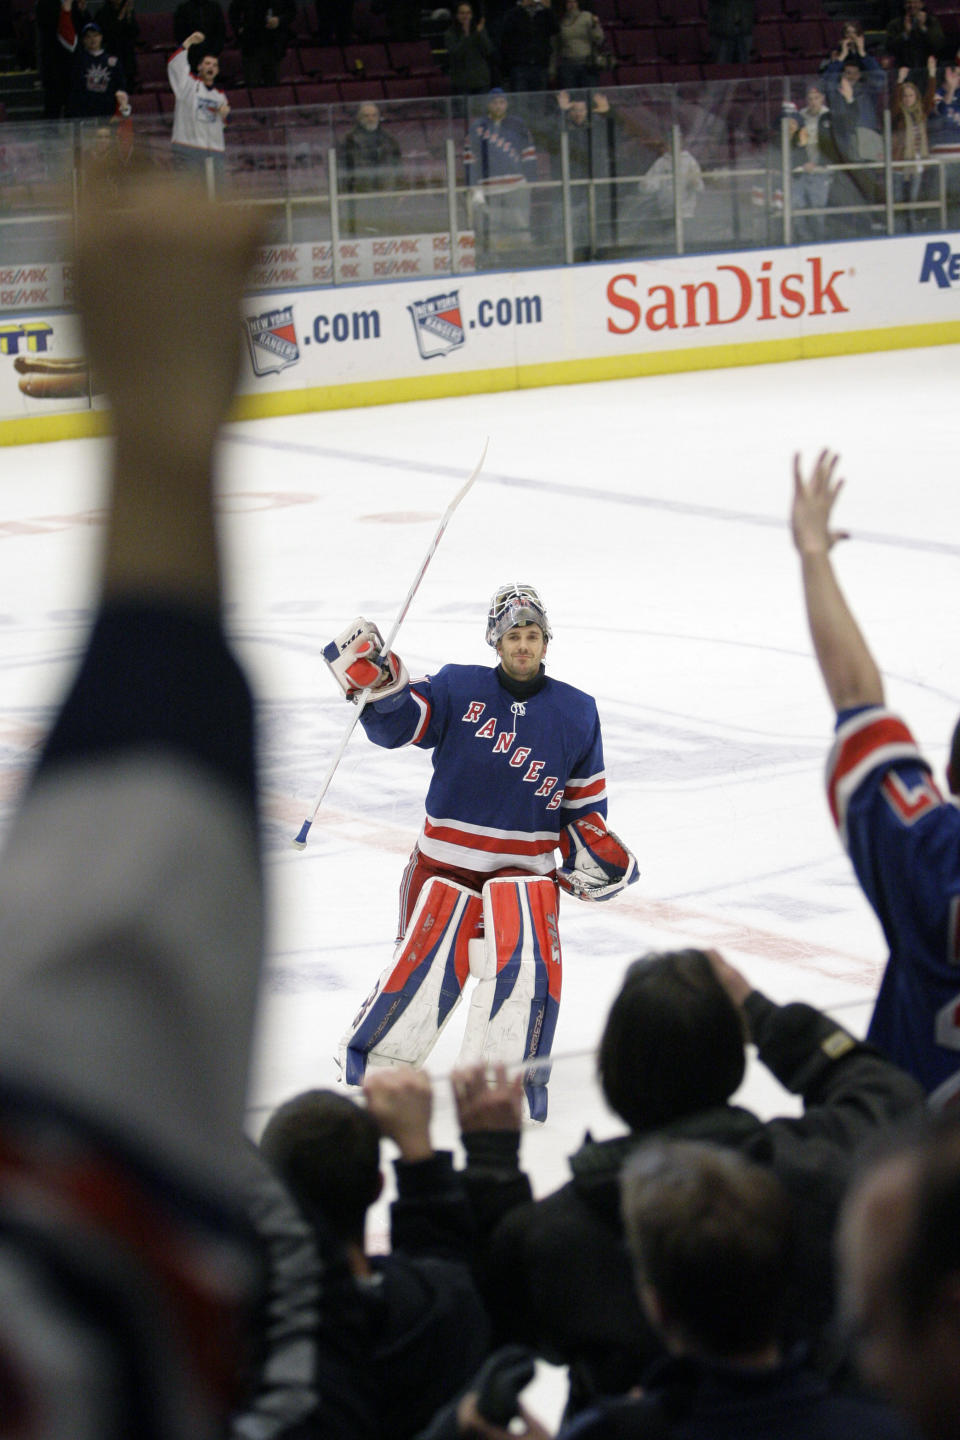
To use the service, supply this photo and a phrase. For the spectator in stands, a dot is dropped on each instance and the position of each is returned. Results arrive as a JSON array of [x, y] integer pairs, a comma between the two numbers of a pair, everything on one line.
[[369, 162], [53, 59], [97, 83], [470, 53], [711, 1235], [858, 80], [370, 156], [579, 42], [200, 110], [947, 105], [672, 1054], [911, 38], [909, 111], [855, 87], [499, 162], [526, 46], [263, 29], [119, 28], [900, 1276], [590, 128], [414, 1313], [656, 205], [944, 135], [852, 42], [815, 150], [204, 15], [730, 25], [901, 833]]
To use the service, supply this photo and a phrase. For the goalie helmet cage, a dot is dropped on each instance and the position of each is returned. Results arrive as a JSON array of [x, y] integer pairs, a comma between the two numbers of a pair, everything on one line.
[[515, 604]]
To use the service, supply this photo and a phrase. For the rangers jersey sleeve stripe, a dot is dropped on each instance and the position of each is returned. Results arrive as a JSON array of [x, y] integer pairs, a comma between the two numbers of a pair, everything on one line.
[[426, 711], [584, 793], [870, 740]]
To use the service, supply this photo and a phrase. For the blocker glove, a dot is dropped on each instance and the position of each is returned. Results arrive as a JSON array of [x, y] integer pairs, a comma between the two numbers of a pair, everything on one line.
[[357, 662], [596, 863]]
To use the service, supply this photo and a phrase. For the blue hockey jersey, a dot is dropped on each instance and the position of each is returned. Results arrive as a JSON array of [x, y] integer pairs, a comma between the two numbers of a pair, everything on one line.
[[903, 838], [508, 774]]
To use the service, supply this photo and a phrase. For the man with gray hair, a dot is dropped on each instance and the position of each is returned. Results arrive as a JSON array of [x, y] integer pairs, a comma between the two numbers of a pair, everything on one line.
[[711, 1237]]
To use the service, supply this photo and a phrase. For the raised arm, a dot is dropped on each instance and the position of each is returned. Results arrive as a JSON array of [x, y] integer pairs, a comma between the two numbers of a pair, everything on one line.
[[848, 668], [130, 889], [157, 698]]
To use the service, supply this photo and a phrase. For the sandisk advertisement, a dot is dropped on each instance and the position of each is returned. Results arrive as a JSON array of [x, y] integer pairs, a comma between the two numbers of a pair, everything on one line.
[[495, 330]]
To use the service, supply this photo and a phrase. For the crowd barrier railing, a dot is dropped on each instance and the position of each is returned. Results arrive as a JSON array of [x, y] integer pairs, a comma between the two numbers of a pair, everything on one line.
[[438, 187]]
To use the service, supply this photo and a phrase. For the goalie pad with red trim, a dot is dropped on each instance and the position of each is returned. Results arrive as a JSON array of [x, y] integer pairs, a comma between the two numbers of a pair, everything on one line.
[[596, 863], [399, 1023], [356, 661], [514, 1006]]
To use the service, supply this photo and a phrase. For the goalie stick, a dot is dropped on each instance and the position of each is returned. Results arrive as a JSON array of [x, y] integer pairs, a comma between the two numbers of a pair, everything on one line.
[[301, 839]]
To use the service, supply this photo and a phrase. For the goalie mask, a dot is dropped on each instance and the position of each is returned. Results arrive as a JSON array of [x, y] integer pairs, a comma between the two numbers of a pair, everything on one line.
[[515, 605]]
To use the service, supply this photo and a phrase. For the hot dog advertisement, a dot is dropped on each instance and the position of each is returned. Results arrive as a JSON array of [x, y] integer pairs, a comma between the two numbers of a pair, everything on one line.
[[42, 366]]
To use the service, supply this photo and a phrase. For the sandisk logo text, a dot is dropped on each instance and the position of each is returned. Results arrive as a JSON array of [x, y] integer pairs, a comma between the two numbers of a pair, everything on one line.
[[763, 296], [940, 264]]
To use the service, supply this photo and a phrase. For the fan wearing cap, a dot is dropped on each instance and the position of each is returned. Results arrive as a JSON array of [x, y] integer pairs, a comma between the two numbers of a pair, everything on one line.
[[518, 773], [97, 84]]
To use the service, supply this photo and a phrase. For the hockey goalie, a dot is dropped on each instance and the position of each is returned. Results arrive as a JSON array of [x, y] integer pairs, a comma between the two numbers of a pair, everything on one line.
[[517, 775]]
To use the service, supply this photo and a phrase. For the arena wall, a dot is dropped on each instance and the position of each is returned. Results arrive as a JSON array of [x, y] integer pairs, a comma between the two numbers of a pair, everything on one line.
[[408, 336]]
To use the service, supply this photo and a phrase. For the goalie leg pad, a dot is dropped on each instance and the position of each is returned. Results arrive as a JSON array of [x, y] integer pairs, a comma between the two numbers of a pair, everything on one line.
[[415, 996], [514, 1007]]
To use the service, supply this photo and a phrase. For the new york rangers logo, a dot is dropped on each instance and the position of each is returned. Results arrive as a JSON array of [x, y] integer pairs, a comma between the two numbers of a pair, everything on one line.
[[438, 324], [272, 340]]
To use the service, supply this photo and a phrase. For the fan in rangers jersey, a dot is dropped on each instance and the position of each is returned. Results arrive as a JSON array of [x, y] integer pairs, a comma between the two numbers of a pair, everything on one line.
[[517, 773], [901, 833]]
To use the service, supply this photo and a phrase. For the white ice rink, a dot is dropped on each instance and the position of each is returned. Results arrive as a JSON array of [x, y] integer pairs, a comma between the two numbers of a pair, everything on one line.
[[651, 514]]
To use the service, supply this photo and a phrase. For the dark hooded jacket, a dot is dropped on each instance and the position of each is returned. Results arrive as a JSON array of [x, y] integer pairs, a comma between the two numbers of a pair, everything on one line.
[[557, 1273]]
